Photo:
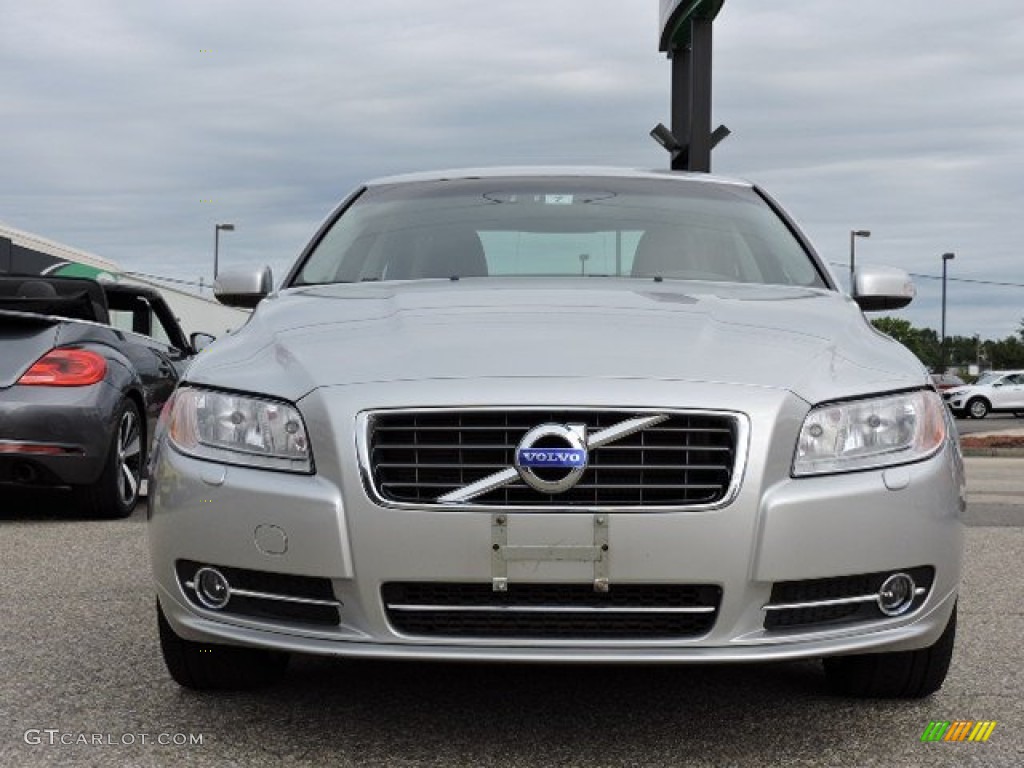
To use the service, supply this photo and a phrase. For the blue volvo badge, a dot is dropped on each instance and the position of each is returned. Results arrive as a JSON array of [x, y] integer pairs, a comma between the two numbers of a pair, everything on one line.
[[550, 457], [568, 453]]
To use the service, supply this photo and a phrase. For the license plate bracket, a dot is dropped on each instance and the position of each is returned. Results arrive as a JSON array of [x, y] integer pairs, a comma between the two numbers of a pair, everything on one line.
[[502, 553]]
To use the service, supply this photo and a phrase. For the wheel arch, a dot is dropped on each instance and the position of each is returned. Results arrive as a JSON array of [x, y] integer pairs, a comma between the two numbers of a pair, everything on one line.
[[136, 397], [978, 398]]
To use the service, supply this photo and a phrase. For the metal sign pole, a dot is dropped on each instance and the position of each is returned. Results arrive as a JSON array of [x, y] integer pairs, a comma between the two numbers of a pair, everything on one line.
[[686, 36]]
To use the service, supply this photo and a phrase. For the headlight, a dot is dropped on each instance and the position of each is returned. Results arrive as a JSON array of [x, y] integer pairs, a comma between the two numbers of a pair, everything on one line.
[[897, 429], [238, 430]]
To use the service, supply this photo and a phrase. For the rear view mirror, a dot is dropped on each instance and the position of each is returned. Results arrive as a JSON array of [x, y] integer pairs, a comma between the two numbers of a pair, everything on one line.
[[201, 341], [882, 288], [243, 288]]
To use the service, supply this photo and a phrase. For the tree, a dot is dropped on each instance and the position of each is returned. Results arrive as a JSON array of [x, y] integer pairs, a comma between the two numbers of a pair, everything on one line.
[[1008, 353], [899, 329], [961, 350], [923, 342]]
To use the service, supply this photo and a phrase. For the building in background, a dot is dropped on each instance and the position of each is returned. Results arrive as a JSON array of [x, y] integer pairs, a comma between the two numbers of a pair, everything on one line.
[[23, 253]]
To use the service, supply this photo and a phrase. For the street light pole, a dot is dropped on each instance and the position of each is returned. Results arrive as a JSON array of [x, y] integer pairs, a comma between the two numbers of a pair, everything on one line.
[[854, 234], [216, 243], [945, 260]]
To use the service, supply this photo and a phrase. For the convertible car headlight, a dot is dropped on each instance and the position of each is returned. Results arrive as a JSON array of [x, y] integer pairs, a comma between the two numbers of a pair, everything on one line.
[[233, 429], [862, 434]]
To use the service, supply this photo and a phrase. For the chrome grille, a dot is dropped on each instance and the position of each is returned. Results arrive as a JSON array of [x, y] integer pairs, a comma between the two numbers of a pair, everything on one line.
[[687, 460]]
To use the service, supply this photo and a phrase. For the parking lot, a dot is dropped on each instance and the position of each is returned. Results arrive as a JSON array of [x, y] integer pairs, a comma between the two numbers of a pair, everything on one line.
[[994, 422], [83, 684]]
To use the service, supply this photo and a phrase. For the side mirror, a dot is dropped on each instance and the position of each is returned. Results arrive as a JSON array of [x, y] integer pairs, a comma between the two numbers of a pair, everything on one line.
[[243, 288], [201, 341], [877, 289]]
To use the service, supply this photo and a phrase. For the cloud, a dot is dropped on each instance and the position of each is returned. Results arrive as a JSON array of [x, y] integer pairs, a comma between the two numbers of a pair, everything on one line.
[[117, 124]]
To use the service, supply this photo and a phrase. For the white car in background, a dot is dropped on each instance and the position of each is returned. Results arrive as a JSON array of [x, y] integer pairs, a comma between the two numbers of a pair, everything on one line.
[[994, 392]]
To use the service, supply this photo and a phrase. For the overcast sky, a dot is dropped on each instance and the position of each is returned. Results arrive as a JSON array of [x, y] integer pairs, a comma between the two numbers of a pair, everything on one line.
[[129, 129]]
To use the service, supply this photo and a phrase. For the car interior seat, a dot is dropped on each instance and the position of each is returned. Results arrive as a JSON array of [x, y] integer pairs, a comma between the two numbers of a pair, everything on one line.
[[686, 253], [36, 289], [441, 252], [65, 297]]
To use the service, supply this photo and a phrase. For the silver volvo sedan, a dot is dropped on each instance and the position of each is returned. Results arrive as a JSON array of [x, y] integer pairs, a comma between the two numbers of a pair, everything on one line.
[[559, 415]]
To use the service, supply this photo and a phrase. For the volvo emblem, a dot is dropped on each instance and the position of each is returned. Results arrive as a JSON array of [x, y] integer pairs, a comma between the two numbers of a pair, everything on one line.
[[551, 458]]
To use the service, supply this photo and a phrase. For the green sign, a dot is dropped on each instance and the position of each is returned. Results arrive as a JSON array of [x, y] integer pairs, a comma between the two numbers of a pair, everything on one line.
[[74, 269], [675, 18]]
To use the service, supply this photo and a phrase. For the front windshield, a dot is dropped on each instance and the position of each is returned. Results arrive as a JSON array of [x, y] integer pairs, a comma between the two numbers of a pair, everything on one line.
[[560, 227], [988, 378]]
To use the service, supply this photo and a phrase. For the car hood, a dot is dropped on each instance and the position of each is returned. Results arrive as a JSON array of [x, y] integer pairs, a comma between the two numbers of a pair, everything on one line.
[[814, 343]]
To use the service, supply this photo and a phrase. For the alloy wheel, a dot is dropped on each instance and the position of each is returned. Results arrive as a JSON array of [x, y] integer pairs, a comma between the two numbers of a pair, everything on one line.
[[129, 456]]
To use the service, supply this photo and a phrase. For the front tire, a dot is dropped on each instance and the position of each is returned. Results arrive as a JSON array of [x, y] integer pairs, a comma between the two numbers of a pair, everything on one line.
[[116, 491], [896, 675], [215, 667], [978, 408]]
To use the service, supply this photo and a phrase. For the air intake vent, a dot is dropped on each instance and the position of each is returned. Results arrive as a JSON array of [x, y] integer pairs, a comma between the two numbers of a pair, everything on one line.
[[839, 600], [571, 611], [265, 595]]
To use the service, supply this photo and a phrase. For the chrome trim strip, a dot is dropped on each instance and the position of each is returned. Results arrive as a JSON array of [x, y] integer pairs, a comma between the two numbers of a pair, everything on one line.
[[741, 421], [623, 429], [284, 598], [873, 598], [480, 487], [822, 603], [544, 609], [232, 591]]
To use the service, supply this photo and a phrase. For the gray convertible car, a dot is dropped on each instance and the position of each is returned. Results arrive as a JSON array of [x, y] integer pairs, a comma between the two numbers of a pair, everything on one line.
[[85, 369], [559, 415]]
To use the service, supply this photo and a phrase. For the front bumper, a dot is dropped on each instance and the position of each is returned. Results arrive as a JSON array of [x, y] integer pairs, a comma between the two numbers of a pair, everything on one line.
[[956, 402], [776, 529]]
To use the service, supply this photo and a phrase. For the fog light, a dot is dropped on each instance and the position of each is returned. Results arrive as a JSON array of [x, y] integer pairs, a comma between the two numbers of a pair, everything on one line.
[[212, 588], [896, 594]]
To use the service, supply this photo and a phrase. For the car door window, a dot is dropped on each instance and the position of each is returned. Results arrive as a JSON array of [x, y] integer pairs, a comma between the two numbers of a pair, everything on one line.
[[1015, 390], [158, 329], [139, 316], [122, 319]]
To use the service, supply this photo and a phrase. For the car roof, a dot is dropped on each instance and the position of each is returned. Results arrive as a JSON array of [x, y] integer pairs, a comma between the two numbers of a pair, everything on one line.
[[131, 289], [542, 171]]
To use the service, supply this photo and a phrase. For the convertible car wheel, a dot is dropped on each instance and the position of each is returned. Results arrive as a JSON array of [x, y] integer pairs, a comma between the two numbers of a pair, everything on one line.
[[116, 492], [209, 666], [898, 675]]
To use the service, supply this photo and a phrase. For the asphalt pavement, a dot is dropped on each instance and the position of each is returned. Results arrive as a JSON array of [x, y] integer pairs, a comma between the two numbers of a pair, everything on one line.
[[994, 422], [995, 494], [82, 682]]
